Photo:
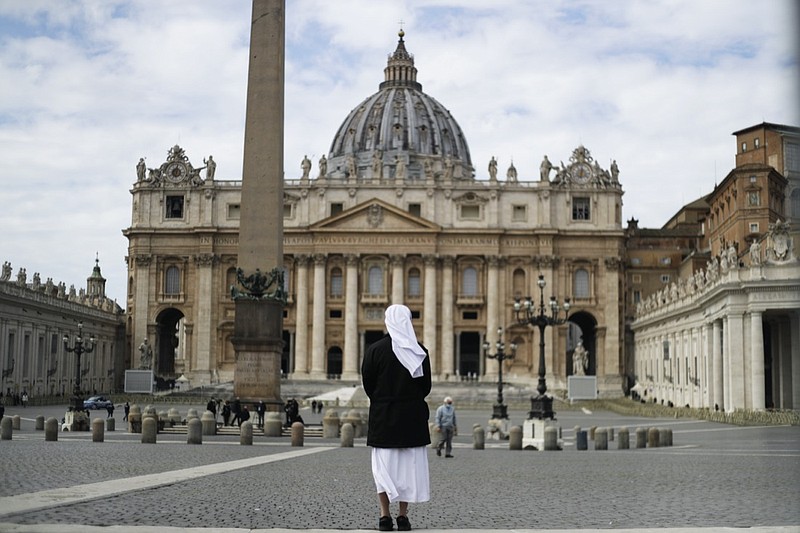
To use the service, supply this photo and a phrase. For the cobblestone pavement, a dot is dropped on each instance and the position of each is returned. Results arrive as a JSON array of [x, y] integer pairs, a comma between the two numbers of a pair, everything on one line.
[[715, 476]]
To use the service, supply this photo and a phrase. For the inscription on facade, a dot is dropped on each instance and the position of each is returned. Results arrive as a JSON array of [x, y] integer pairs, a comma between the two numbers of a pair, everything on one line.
[[232, 241]]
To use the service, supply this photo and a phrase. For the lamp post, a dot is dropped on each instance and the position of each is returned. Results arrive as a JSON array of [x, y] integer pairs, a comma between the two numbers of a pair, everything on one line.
[[500, 410], [527, 312], [79, 347]]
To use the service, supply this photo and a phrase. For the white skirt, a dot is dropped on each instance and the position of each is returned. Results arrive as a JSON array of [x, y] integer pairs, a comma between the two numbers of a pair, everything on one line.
[[402, 473]]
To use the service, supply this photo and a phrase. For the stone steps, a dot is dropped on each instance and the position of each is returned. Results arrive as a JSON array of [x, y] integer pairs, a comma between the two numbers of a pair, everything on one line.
[[180, 429]]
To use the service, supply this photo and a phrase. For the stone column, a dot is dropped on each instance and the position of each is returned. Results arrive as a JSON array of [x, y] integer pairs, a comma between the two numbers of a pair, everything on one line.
[[204, 263], [793, 356], [318, 324], [429, 311], [734, 360], [398, 279], [492, 318], [258, 324], [141, 267], [758, 394], [350, 364], [447, 356], [717, 372], [706, 350], [301, 317]]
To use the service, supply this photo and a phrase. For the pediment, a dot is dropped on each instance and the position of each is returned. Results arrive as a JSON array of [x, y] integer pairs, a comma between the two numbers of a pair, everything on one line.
[[375, 215]]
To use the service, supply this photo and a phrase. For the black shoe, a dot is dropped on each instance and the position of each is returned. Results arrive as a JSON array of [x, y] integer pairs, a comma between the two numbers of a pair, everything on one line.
[[385, 523], [403, 524], [449, 456], [438, 452]]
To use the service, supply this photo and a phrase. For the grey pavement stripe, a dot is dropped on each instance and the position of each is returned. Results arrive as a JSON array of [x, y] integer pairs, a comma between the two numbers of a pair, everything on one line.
[[62, 528], [35, 501]]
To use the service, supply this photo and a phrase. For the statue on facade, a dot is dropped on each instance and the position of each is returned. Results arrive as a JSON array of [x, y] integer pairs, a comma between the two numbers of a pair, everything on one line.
[[62, 290], [493, 169], [211, 167], [580, 360], [154, 175], [779, 242], [511, 173], [400, 168], [6, 275], [733, 257], [544, 169], [22, 277], [323, 166], [428, 169], [755, 253], [140, 169], [37, 281], [49, 287], [351, 167], [614, 171], [305, 165], [712, 272], [448, 167], [145, 355]]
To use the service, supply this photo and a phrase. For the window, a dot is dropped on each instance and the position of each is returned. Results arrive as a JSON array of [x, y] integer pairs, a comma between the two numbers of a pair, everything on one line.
[[796, 202], [754, 227], [415, 209], [519, 213], [637, 296], [335, 313], [336, 208], [235, 211], [753, 198], [792, 158], [636, 261], [471, 211], [756, 142], [470, 315], [665, 261], [337, 285], [753, 179], [174, 206], [580, 209], [286, 274], [288, 210], [414, 286], [665, 278], [518, 283], [744, 146], [636, 278], [581, 282], [172, 281], [469, 282], [375, 280]]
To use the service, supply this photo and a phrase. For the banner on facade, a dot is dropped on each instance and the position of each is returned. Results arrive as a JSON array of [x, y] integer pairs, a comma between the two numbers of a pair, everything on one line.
[[582, 387], [139, 381]]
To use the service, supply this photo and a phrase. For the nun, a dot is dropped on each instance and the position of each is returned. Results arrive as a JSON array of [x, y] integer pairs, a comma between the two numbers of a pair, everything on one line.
[[396, 374]]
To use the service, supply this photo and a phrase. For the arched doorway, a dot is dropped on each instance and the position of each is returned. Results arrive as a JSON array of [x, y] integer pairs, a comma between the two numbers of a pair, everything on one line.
[[167, 342], [334, 362], [582, 328], [469, 354]]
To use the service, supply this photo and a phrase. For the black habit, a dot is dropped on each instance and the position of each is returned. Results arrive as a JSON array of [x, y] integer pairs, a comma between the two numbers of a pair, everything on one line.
[[398, 413]]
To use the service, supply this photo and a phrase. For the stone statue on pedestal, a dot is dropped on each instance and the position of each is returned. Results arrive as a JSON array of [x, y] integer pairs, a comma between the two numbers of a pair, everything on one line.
[[580, 360], [145, 355]]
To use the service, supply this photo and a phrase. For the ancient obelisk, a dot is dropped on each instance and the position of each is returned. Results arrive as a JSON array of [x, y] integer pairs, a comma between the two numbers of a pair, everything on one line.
[[259, 295]]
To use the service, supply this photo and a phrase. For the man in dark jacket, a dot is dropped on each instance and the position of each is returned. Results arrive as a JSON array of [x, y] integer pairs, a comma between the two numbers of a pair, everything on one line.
[[396, 374]]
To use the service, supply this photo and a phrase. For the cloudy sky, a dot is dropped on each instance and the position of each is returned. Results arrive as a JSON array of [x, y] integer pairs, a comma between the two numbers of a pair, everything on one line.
[[90, 86]]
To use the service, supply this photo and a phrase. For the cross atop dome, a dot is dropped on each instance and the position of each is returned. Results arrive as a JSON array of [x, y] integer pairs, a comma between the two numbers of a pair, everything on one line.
[[400, 70]]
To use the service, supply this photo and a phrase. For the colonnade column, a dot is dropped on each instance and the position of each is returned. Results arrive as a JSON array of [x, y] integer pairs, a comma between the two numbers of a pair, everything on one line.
[[717, 372], [301, 316], [492, 318], [447, 356], [758, 398], [141, 266], [398, 279], [794, 358], [706, 349], [350, 370], [429, 310], [201, 359], [734, 357], [318, 325]]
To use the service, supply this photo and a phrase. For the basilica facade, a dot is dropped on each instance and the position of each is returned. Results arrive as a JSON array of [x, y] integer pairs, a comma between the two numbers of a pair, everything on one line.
[[394, 213]]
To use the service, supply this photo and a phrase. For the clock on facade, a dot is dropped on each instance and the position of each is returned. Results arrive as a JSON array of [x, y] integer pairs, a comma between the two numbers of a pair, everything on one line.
[[581, 172], [176, 172]]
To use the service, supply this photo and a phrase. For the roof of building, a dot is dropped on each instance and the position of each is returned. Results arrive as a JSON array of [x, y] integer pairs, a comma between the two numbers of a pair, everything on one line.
[[782, 128]]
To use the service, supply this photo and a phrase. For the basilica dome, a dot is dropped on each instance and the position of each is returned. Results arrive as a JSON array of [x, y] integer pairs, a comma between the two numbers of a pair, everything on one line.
[[400, 132]]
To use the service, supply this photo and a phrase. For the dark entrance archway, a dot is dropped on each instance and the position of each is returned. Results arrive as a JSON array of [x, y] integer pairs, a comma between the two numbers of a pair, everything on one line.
[[286, 355], [469, 356], [166, 342], [334, 362], [583, 328]]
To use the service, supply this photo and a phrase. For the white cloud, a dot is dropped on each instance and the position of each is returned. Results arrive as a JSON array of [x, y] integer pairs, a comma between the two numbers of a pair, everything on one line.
[[90, 87]]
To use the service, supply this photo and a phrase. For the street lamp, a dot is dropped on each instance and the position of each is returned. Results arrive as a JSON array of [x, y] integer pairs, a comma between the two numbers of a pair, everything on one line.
[[527, 312], [499, 410], [79, 347]]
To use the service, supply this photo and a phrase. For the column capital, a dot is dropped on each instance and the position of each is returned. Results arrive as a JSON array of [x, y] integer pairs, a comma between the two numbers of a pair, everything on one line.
[[302, 259], [397, 259], [351, 259], [206, 260], [430, 260], [448, 260], [320, 259]]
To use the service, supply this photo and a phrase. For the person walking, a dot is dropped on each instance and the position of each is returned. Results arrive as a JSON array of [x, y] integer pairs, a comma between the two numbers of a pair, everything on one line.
[[261, 409], [127, 411], [445, 422], [110, 410], [226, 413], [236, 409], [396, 374]]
